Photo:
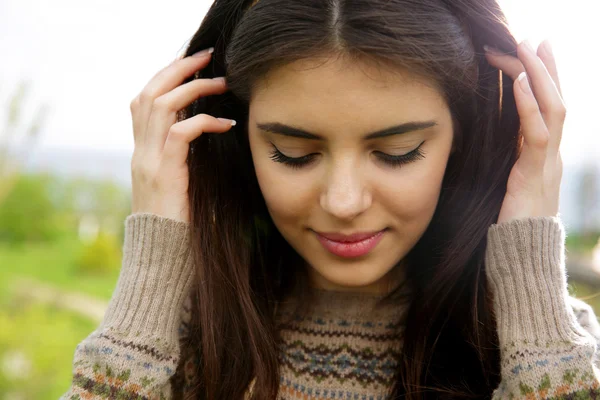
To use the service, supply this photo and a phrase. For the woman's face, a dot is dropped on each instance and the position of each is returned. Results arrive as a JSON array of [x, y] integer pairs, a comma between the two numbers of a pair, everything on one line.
[[350, 161]]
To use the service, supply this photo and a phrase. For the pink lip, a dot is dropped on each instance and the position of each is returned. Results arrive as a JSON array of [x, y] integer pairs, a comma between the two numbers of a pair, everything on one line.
[[350, 246]]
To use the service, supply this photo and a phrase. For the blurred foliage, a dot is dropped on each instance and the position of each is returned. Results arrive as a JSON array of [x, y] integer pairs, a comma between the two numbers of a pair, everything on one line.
[[586, 292], [37, 344], [42, 207], [101, 256], [41, 237], [18, 135], [52, 263], [66, 232], [582, 243], [28, 213]]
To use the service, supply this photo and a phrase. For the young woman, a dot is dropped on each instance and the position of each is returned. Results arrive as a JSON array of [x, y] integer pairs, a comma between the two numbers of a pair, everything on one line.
[[381, 222]]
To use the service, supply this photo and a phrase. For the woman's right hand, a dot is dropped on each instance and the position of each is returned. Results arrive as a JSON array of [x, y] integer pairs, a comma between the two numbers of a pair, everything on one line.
[[158, 166]]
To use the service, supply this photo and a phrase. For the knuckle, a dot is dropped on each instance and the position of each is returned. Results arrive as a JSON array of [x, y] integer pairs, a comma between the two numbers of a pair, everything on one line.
[[162, 104], [177, 133], [134, 104], [556, 110], [541, 139], [147, 96], [204, 118]]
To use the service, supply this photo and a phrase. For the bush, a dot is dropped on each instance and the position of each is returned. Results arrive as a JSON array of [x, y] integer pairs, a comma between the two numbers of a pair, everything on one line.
[[28, 212], [101, 256]]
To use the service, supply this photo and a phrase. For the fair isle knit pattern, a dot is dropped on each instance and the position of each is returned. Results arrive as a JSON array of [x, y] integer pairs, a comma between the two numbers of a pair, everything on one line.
[[345, 348]]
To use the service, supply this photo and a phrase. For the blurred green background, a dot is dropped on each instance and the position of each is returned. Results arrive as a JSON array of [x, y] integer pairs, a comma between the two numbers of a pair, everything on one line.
[[59, 263], [60, 252]]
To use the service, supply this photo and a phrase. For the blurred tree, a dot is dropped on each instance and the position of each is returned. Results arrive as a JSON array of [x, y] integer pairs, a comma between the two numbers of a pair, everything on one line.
[[17, 131], [103, 203], [100, 256], [46, 207], [28, 212]]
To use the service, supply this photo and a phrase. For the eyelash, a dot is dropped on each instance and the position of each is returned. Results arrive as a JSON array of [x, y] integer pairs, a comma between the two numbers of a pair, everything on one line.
[[294, 162], [393, 161]]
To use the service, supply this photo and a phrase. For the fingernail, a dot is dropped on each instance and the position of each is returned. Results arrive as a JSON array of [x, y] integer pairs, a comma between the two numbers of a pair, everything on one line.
[[204, 52], [492, 50], [219, 78], [227, 121], [524, 82]]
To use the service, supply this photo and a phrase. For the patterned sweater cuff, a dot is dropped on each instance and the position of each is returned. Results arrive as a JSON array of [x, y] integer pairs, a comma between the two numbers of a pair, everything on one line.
[[155, 278], [526, 270]]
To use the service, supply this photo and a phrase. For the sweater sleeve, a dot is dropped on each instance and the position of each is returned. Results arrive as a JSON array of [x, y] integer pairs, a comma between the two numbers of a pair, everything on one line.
[[545, 352], [135, 351]]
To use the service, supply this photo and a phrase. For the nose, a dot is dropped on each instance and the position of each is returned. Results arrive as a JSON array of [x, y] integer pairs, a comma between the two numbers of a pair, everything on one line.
[[345, 195]]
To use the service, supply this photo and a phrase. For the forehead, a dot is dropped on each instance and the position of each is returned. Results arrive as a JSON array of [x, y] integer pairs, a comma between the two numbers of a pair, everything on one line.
[[345, 89]]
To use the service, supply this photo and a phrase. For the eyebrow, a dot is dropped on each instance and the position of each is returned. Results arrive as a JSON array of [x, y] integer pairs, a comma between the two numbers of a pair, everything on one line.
[[287, 130]]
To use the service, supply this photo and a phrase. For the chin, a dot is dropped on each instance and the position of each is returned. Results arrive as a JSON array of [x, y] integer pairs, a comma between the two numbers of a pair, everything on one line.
[[350, 277]]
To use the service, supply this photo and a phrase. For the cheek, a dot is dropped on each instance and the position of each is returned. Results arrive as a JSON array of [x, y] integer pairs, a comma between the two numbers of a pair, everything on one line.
[[412, 196], [288, 193], [286, 199]]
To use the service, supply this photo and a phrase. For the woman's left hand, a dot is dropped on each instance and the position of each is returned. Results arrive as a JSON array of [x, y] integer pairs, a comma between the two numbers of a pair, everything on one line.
[[534, 182]]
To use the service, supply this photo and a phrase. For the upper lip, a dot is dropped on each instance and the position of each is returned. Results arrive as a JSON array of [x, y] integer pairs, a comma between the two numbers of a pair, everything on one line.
[[350, 238]]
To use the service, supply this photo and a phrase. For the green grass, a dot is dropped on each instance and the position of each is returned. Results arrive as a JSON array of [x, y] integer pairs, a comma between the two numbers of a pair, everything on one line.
[[40, 337], [42, 341], [52, 263]]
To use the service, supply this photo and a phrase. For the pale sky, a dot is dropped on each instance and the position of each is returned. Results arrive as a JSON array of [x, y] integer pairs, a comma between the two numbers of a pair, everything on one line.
[[88, 59]]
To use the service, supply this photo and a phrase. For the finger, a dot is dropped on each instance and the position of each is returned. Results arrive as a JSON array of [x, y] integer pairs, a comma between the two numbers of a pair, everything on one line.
[[177, 58], [175, 73], [534, 130], [546, 93], [165, 108], [164, 81], [181, 134], [509, 64], [547, 56]]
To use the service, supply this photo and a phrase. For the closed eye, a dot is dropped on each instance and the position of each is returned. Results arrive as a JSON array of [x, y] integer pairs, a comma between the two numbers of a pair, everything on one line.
[[294, 162], [391, 160], [396, 161]]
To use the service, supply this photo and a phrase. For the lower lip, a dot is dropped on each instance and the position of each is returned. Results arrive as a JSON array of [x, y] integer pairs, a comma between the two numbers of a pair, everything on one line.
[[351, 249]]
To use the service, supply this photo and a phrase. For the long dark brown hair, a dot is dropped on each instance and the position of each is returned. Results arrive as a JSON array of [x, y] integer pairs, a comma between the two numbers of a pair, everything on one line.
[[244, 266]]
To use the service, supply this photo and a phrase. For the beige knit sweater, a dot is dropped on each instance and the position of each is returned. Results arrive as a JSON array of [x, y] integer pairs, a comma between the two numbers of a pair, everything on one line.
[[346, 348]]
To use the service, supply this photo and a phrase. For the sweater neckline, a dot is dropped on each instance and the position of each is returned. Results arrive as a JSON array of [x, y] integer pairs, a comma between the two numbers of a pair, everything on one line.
[[350, 305]]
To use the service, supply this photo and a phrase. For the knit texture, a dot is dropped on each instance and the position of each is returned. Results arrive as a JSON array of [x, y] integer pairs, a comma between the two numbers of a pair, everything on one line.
[[347, 346], [135, 350], [545, 351]]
